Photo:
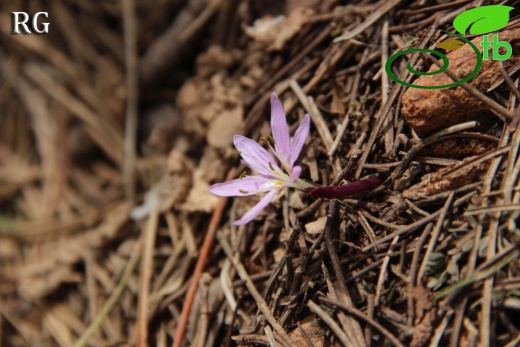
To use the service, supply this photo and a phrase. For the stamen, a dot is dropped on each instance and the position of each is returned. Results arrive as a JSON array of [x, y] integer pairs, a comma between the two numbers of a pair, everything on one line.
[[242, 175], [270, 138], [264, 141], [243, 191]]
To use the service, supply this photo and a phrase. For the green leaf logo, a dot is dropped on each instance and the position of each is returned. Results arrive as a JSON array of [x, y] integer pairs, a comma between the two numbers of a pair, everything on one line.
[[450, 45], [482, 20]]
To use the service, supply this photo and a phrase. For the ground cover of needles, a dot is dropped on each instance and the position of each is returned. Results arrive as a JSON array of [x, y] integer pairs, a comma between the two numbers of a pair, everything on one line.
[[114, 125]]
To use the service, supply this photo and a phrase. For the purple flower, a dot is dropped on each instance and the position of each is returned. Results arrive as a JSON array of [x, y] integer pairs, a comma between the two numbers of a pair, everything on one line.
[[271, 178]]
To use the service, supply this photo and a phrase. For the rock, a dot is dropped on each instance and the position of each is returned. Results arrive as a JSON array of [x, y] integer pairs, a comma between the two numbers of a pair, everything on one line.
[[430, 110]]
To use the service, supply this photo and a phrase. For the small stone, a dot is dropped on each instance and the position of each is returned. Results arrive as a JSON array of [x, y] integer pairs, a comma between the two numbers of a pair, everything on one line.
[[431, 110]]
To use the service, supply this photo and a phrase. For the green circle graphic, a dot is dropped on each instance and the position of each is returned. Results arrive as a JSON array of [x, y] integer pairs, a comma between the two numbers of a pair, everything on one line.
[[445, 64]]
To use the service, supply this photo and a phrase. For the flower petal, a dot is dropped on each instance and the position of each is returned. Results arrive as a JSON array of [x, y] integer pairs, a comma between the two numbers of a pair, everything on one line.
[[252, 213], [279, 127], [295, 174], [248, 185], [299, 138], [255, 156]]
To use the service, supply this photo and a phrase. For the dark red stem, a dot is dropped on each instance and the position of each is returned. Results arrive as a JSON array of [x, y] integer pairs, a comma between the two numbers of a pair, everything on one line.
[[345, 190]]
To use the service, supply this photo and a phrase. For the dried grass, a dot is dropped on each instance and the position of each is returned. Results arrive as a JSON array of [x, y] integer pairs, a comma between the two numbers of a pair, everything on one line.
[[428, 258]]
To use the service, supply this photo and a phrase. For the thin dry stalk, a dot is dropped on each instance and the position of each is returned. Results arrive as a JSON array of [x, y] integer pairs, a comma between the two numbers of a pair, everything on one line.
[[351, 326], [365, 318], [199, 267], [203, 323], [116, 295], [384, 8], [434, 236], [417, 253], [132, 97], [145, 277], [383, 112], [317, 118], [260, 302], [324, 316], [383, 273]]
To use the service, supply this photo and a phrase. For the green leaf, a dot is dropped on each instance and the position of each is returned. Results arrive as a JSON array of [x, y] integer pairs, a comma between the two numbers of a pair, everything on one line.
[[482, 20], [410, 40], [450, 45]]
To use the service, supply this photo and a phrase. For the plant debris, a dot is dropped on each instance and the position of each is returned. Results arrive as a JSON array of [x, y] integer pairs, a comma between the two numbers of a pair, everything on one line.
[[115, 123]]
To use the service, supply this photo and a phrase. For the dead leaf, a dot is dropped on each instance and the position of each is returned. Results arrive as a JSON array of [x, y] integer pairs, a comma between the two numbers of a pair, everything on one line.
[[316, 226], [224, 126], [274, 32], [450, 45], [41, 276], [200, 198], [311, 330], [425, 314], [295, 200], [336, 105], [171, 190], [437, 182]]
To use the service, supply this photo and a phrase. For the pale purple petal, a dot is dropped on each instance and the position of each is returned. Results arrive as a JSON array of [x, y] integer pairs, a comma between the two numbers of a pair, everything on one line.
[[255, 156], [299, 138], [252, 213], [248, 185], [295, 173], [279, 127]]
